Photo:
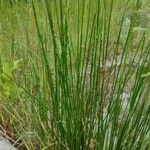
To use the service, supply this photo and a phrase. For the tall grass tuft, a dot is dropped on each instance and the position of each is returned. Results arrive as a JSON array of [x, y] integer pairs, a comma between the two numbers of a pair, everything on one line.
[[89, 76]]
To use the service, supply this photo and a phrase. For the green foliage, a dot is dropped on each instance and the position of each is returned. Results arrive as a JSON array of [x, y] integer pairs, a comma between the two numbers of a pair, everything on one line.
[[86, 74], [8, 88]]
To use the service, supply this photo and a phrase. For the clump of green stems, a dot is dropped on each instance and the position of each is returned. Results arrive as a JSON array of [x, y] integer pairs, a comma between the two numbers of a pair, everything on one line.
[[79, 74]]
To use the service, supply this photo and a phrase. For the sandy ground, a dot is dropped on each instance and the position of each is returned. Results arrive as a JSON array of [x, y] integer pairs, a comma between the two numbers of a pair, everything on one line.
[[5, 145]]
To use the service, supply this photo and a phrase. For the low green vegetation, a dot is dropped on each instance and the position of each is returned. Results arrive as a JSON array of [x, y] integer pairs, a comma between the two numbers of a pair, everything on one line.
[[75, 74], [8, 88]]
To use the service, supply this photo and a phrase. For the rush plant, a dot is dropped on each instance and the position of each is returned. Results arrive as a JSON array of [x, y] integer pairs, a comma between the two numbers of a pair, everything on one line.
[[86, 77]]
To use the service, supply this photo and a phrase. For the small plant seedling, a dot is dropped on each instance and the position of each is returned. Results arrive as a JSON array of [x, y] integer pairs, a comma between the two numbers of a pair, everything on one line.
[[8, 87]]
